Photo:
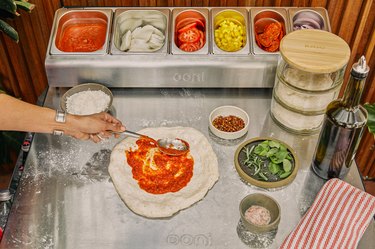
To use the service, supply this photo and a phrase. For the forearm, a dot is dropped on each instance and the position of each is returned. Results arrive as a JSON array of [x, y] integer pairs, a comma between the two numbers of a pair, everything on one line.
[[21, 116]]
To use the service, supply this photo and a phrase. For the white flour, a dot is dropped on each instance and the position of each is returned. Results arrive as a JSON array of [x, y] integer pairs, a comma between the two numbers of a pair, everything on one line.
[[307, 103], [306, 99], [294, 120], [308, 81], [87, 102]]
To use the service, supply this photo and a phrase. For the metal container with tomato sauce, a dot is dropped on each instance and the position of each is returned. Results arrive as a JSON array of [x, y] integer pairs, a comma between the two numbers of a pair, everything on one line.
[[229, 31], [268, 26], [82, 31], [190, 30]]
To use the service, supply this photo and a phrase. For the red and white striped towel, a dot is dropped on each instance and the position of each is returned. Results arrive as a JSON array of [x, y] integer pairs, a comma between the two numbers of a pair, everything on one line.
[[338, 218]]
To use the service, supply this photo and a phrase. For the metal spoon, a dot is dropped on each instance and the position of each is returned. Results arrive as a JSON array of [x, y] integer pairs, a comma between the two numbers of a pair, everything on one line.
[[172, 147]]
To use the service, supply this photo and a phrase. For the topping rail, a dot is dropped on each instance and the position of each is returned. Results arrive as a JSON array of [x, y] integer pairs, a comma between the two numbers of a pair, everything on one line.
[[174, 47]]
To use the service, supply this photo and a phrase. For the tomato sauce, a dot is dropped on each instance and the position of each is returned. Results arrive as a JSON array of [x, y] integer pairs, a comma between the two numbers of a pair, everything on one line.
[[83, 37], [157, 172]]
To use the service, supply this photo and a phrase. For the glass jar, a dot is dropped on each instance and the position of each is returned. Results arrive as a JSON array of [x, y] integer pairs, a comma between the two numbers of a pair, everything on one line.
[[308, 78]]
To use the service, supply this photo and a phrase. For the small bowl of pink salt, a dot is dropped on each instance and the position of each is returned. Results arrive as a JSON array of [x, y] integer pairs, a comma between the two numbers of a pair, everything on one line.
[[260, 213], [87, 99]]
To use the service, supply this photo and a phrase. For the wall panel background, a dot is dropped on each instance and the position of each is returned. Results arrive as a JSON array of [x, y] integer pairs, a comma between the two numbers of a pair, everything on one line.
[[22, 71]]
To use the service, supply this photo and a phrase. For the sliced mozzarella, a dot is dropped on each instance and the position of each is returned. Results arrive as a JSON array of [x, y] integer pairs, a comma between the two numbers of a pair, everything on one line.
[[138, 45], [126, 41]]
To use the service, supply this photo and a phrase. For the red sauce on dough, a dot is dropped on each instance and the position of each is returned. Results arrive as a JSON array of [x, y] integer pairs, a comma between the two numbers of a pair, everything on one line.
[[157, 172], [83, 37]]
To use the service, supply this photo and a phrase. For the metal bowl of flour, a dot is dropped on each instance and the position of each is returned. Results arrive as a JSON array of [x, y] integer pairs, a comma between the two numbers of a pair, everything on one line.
[[86, 99]]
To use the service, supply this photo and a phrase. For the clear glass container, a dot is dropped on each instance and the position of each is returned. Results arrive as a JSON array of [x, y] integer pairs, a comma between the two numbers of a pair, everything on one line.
[[305, 83]]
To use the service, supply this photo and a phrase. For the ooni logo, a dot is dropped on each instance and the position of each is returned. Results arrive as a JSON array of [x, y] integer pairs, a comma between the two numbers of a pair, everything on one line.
[[189, 240], [188, 77]]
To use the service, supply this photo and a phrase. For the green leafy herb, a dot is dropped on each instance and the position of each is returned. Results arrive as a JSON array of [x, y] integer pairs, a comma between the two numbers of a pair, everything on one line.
[[269, 161], [287, 165], [263, 176], [285, 174], [371, 117], [274, 168], [274, 144]]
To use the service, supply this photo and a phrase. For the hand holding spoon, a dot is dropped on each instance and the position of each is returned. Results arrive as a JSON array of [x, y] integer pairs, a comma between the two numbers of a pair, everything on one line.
[[172, 147]]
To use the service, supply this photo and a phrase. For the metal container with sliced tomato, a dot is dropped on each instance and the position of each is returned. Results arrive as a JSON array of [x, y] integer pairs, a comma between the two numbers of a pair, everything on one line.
[[229, 31], [190, 31], [268, 26]]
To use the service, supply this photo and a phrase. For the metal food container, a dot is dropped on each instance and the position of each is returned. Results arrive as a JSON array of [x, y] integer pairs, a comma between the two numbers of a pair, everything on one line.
[[260, 19], [302, 18], [140, 31], [238, 16], [73, 21], [187, 17]]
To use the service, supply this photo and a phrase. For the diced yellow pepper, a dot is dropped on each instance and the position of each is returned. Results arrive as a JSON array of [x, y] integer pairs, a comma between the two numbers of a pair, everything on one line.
[[230, 36]]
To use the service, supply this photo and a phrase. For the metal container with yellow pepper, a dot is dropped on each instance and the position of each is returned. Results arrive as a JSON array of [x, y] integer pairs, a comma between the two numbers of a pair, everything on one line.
[[229, 31]]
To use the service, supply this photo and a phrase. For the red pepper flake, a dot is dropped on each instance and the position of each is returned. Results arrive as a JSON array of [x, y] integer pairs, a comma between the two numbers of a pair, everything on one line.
[[229, 123]]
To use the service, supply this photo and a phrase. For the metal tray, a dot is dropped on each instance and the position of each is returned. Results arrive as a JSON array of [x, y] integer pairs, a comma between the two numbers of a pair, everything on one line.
[[180, 14], [263, 16], [240, 15], [143, 16], [66, 199], [66, 17], [320, 13]]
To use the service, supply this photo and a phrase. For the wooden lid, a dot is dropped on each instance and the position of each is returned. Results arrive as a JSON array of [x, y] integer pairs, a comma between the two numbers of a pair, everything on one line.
[[315, 51]]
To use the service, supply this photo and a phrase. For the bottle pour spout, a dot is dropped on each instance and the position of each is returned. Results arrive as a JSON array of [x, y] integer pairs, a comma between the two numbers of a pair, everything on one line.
[[360, 69]]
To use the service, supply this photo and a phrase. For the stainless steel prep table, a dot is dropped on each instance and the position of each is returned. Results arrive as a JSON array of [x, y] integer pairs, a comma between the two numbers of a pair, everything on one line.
[[66, 198]]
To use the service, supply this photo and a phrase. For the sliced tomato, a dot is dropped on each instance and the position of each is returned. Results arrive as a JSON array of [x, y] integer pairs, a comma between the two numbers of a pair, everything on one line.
[[190, 35], [190, 47], [201, 39], [188, 21], [187, 27]]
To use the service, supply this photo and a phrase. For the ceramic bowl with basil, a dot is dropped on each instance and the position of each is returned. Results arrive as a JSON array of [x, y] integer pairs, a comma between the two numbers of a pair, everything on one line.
[[266, 162]]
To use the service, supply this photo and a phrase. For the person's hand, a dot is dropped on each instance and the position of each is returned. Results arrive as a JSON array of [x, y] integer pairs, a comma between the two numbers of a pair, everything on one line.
[[95, 127]]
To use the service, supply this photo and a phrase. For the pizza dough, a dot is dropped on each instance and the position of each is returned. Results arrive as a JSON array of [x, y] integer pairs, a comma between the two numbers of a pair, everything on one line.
[[205, 174]]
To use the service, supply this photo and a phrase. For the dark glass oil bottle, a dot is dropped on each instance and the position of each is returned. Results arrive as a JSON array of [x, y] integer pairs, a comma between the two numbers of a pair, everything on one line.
[[342, 129]]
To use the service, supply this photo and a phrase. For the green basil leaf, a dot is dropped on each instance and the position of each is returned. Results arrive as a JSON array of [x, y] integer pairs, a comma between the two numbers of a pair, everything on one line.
[[282, 148], [265, 143], [281, 155], [258, 149], [287, 165], [272, 152], [273, 168], [261, 149], [285, 174], [275, 159], [274, 144]]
